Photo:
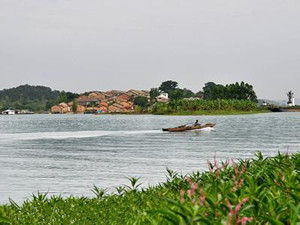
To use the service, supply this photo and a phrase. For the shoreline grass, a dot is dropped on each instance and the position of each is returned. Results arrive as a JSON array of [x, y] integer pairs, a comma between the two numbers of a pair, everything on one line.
[[217, 112], [257, 191], [197, 113]]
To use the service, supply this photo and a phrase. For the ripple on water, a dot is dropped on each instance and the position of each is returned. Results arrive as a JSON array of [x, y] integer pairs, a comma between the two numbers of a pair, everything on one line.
[[67, 154]]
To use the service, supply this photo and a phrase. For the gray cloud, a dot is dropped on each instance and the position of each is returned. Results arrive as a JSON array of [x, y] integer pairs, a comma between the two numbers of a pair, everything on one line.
[[98, 45]]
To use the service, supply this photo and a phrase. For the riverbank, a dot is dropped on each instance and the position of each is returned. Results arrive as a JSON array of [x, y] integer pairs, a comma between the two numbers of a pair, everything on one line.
[[261, 190], [186, 113], [199, 112], [217, 112]]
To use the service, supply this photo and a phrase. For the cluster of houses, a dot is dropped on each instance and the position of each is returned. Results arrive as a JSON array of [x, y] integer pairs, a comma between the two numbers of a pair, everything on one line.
[[105, 102]]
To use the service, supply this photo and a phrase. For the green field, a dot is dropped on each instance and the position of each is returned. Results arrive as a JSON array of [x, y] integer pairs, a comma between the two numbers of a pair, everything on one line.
[[258, 191]]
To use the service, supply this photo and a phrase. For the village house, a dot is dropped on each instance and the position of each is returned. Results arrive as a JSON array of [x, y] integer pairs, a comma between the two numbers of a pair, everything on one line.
[[56, 109], [97, 95], [101, 110], [80, 109], [86, 101], [102, 102], [90, 110], [122, 98], [9, 112], [112, 93], [135, 93], [163, 97], [114, 109], [61, 108], [127, 105]]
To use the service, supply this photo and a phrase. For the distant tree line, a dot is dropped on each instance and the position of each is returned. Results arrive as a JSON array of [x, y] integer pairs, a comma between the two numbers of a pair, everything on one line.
[[186, 106], [210, 91], [34, 98], [40, 98]]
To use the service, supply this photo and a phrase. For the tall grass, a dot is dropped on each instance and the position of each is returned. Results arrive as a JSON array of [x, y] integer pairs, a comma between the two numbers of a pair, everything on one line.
[[258, 191], [198, 105]]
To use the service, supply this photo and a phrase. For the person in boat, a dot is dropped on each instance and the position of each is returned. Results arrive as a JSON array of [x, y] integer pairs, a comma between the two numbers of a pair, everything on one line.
[[196, 123]]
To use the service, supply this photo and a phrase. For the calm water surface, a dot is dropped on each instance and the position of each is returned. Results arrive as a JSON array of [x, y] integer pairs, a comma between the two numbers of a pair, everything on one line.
[[67, 154]]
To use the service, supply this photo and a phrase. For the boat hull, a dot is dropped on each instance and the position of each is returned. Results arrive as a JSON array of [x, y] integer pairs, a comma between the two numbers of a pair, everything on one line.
[[186, 128]]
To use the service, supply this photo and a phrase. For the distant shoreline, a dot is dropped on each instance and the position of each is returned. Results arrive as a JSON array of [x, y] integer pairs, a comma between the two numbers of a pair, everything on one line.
[[216, 112], [186, 113]]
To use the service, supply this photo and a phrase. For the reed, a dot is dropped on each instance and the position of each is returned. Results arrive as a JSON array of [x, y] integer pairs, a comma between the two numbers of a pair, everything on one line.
[[200, 105]]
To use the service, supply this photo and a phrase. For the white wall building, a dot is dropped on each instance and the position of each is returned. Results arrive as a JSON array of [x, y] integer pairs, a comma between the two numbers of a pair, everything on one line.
[[163, 97], [9, 112]]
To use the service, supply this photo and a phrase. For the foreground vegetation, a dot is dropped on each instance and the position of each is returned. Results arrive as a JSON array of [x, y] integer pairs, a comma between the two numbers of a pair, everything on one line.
[[259, 191]]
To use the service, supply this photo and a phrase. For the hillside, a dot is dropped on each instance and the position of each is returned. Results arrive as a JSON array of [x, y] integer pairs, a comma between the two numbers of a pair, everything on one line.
[[34, 98]]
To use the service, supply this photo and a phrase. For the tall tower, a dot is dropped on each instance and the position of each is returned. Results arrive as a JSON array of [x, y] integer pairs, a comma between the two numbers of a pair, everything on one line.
[[291, 99]]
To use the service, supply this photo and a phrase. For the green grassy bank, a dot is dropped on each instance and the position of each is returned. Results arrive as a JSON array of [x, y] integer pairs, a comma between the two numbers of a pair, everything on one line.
[[218, 112], [258, 191], [207, 107], [197, 112]]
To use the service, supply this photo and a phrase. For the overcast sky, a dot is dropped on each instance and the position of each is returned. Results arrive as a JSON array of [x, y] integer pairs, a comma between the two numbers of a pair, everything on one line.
[[79, 45]]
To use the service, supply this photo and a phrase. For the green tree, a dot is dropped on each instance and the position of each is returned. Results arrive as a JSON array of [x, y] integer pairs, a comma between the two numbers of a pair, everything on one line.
[[176, 94], [62, 97], [49, 104], [141, 101], [212, 91], [242, 91], [154, 92], [74, 106], [187, 93], [70, 96], [168, 86], [199, 94]]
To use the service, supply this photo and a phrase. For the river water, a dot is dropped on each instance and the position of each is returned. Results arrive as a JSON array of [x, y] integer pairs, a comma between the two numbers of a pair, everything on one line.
[[67, 154]]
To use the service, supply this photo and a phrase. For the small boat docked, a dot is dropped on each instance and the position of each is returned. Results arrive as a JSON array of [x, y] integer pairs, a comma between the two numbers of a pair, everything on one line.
[[186, 127]]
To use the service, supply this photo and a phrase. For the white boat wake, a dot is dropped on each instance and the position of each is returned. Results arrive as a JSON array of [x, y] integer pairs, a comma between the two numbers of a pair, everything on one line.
[[73, 134], [206, 129]]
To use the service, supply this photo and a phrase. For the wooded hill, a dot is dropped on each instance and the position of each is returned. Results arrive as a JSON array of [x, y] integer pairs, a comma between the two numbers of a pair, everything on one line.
[[34, 98]]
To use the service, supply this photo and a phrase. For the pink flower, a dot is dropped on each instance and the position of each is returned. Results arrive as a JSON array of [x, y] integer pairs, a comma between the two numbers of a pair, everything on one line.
[[243, 169], [241, 182], [233, 162], [238, 206], [189, 180], [182, 196], [236, 212], [236, 169], [233, 178], [216, 162], [230, 207], [201, 197], [189, 194], [194, 187], [244, 220]]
